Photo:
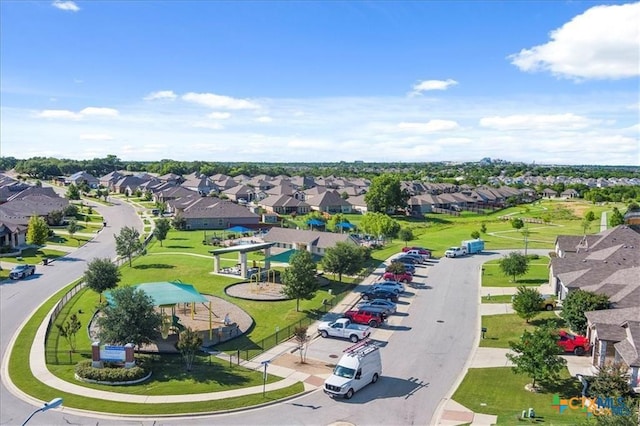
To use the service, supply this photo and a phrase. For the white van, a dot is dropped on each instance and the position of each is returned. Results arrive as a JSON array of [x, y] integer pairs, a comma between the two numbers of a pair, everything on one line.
[[359, 366]]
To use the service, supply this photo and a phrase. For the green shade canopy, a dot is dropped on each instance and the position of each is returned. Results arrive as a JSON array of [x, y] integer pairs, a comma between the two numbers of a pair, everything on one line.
[[285, 256], [167, 293]]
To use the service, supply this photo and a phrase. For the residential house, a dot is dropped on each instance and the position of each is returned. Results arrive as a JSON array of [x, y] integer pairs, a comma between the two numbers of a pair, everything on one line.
[[213, 213], [315, 242], [604, 263], [284, 204], [81, 177], [239, 192], [109, 180], [199, 183], [358, 204], [329, 202], [569, 193], [173, 193], [549, 193]]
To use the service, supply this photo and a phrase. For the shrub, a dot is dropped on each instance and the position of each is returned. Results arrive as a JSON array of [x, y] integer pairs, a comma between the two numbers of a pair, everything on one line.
[[112, 372]]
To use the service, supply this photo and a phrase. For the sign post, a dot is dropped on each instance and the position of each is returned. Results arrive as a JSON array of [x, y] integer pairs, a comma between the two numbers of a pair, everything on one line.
[[264, 376]]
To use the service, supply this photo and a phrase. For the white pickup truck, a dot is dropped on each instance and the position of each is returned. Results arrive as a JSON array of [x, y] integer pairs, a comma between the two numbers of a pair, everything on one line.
[[345, 329], [455, 252]]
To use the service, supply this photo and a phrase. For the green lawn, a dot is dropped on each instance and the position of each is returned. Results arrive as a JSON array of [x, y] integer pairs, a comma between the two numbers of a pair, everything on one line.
[[500, 392], [509, 327], [21, 375], [537, 274], [501, 298], [34, 255]]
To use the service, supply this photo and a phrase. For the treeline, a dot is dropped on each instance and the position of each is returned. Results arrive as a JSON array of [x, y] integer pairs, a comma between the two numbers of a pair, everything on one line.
[[471, 173]]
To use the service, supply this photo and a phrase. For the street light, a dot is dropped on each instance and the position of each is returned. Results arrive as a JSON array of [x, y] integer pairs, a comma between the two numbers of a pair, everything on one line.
[[47, 406]]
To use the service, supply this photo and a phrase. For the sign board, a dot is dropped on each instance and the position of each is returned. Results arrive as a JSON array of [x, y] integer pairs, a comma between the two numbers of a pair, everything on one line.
[[112, 353]]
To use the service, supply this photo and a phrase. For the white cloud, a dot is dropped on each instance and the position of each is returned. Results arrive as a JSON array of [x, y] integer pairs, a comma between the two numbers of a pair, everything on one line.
[[218, 101], [65, 5], [102, 112], [208, 125], [427, 85], [535, 122], [96, 137], [264, 119], [59, 114], [601, 43], [64, 114], [219, 115], [430, 126], [161, 95]]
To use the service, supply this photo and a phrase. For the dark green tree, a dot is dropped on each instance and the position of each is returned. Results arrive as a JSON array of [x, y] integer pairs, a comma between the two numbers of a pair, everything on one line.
[[131, 318], [299, 279], [343, 258], [101, 275], [406, 235], [611, 380], [71, 210], [55, 217], [617, 218], [73, 193], [69, 329], [537, 355], [475, 234], [37, 231], [483, 228], [385, 194], [517, 223], [161, 230], [514, 264], [590, 216], [189, 343], [128, 243], [577, 303], [526, 303], [72, 228], [397, 268]]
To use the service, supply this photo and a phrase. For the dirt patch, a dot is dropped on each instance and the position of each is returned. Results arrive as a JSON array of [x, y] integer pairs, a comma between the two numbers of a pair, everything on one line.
[[311, 366]]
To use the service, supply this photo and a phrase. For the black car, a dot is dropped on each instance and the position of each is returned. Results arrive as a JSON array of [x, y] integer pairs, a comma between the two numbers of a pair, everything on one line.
[[407, 258], [372, 293]]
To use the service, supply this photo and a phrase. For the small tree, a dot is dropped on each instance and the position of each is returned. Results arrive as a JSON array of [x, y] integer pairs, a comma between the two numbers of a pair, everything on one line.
[[577, 303], [302, 339], [37, 231], [73, 193], [517, 222], [179, 222], [69, 329], [70, 210], [128, 243], [616, 218], [189, 343], [475, 235], [343, 258], [101, 275], [131, 318], [397, 268], [483, 228], [612, 380], [72, 228], [161, 230], [514, 264], [55, 217], [299, 280], [590, 216], [526, 303], [406, 235], [537, 355]]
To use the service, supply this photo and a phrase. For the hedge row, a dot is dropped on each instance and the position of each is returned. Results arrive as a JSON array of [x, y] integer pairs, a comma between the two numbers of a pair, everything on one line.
[[111, 372]]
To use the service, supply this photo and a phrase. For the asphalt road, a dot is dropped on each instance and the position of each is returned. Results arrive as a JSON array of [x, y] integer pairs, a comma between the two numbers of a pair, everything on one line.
[[423, 357]]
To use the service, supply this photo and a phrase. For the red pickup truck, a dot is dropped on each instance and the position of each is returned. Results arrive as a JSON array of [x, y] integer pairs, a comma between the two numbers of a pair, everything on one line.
[[364, 316], [577, 344]]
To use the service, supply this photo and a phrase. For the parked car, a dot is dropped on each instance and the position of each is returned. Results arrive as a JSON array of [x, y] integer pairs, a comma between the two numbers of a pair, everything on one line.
[[22, 271], [379, 293], [408, 267], [577, 344], [405, 258], [425, 254], [391, 285], [417, 257], [387, 306], [344, 328], [548, 302], [404, 277], [365, 316], [455, 252], [422, 250]]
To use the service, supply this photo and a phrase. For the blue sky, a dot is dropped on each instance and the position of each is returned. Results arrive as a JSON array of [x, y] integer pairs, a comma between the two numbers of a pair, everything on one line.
[[545, 82]]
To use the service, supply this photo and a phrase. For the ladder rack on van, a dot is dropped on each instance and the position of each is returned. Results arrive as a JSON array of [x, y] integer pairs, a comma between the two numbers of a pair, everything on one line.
[[362, 348]]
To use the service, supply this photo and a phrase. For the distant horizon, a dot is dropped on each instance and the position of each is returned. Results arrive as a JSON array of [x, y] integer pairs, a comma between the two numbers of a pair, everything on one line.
[[297, 82]]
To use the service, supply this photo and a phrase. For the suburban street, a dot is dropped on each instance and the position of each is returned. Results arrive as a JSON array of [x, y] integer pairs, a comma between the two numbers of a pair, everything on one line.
[[425, 353]]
